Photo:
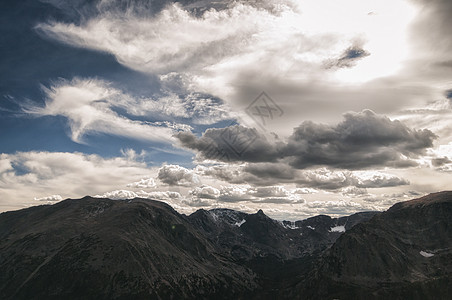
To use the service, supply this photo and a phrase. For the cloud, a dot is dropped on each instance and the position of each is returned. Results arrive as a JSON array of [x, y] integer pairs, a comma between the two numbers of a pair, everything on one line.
[[354, 192], [441, 161], [125, 194], [49, 199], [213, 47], [5, 164], [87, 104], [71, 175], [348, 58], [363, 140], [273, 171], [244, 193], [118, 195], [341, 207], [144, 183], [263, 174], [173, 40], [308, 181], [177, 175], [205, 192], [233, 143], [326, 179], [94, 106], [448, 94]]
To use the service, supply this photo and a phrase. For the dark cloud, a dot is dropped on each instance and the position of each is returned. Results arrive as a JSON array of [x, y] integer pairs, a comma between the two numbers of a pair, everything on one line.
[[363, 140], [234, 143], [280, 200], [348, 58], [271, 170], [448, 94], [440, 161]]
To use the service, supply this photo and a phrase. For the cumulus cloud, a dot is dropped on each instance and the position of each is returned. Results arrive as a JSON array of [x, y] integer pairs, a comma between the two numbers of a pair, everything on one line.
[[50, 199], [118, 195], [308, 181], [353, 191], [144, 183], [125, 194], [70, 175], [332, 180], [206, 192], [246, 193], [361, 141], [233, 143], [340, 207], [177, 175]]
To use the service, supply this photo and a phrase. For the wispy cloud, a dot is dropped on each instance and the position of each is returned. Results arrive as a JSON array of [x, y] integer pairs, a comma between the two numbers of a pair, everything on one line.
[[91, 106]]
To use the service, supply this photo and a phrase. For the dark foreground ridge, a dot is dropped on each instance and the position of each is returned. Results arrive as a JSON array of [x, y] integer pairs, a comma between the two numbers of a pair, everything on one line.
[[142, 249]]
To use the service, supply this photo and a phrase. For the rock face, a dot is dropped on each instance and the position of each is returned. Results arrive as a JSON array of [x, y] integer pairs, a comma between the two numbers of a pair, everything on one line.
[[142, 249]]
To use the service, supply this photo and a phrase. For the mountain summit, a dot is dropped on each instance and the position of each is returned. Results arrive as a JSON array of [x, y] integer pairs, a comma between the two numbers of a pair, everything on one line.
[[94, 248]]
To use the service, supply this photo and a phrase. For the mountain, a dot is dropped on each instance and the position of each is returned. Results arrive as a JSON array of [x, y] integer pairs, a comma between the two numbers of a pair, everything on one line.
[[403, 253], [94, 248], [103, 249]]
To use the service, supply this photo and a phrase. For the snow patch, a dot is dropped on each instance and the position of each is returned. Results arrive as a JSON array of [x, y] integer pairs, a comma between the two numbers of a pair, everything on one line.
[[240, 223], [289, 224], [310, 227], [426, 254], [337, 229]]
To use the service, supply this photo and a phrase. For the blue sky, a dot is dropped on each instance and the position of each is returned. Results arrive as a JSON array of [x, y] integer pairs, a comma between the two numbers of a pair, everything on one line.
[[163, 100]]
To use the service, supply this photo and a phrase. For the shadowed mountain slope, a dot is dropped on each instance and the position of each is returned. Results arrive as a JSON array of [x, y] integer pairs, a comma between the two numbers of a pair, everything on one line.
[[142, 249]]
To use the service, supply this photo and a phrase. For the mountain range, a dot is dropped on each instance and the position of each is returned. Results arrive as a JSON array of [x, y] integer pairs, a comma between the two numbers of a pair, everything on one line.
[[94, 248]]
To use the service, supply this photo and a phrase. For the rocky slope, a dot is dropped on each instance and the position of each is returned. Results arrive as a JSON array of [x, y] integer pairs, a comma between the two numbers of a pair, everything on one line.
[[104, 249], [142, 249], [403, 253]]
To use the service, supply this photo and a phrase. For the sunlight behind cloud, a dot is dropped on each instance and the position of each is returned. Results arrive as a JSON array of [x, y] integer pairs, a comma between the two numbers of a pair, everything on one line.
[[381, 26]]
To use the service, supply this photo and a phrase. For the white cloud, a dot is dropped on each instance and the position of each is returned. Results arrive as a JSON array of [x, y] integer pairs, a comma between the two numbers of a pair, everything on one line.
[[304, 191], [177, 175], [246, 193], [281, 48], [118, 195], [89, 105], [326, 179], [341, 207], [70, 175], [125, 194], [5, 164], [50, 199], [353, 191], [205, 192], [172, 41], [144, 183]]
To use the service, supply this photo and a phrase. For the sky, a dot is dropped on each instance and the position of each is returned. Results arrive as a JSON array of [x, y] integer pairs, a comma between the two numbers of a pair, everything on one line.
[[295, 107]]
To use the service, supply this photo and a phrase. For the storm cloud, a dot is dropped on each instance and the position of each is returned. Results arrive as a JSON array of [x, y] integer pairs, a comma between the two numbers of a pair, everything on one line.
[[362, 140]]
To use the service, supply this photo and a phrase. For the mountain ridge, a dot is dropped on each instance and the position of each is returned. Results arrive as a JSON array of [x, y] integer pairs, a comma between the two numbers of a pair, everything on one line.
[[141, 249]]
